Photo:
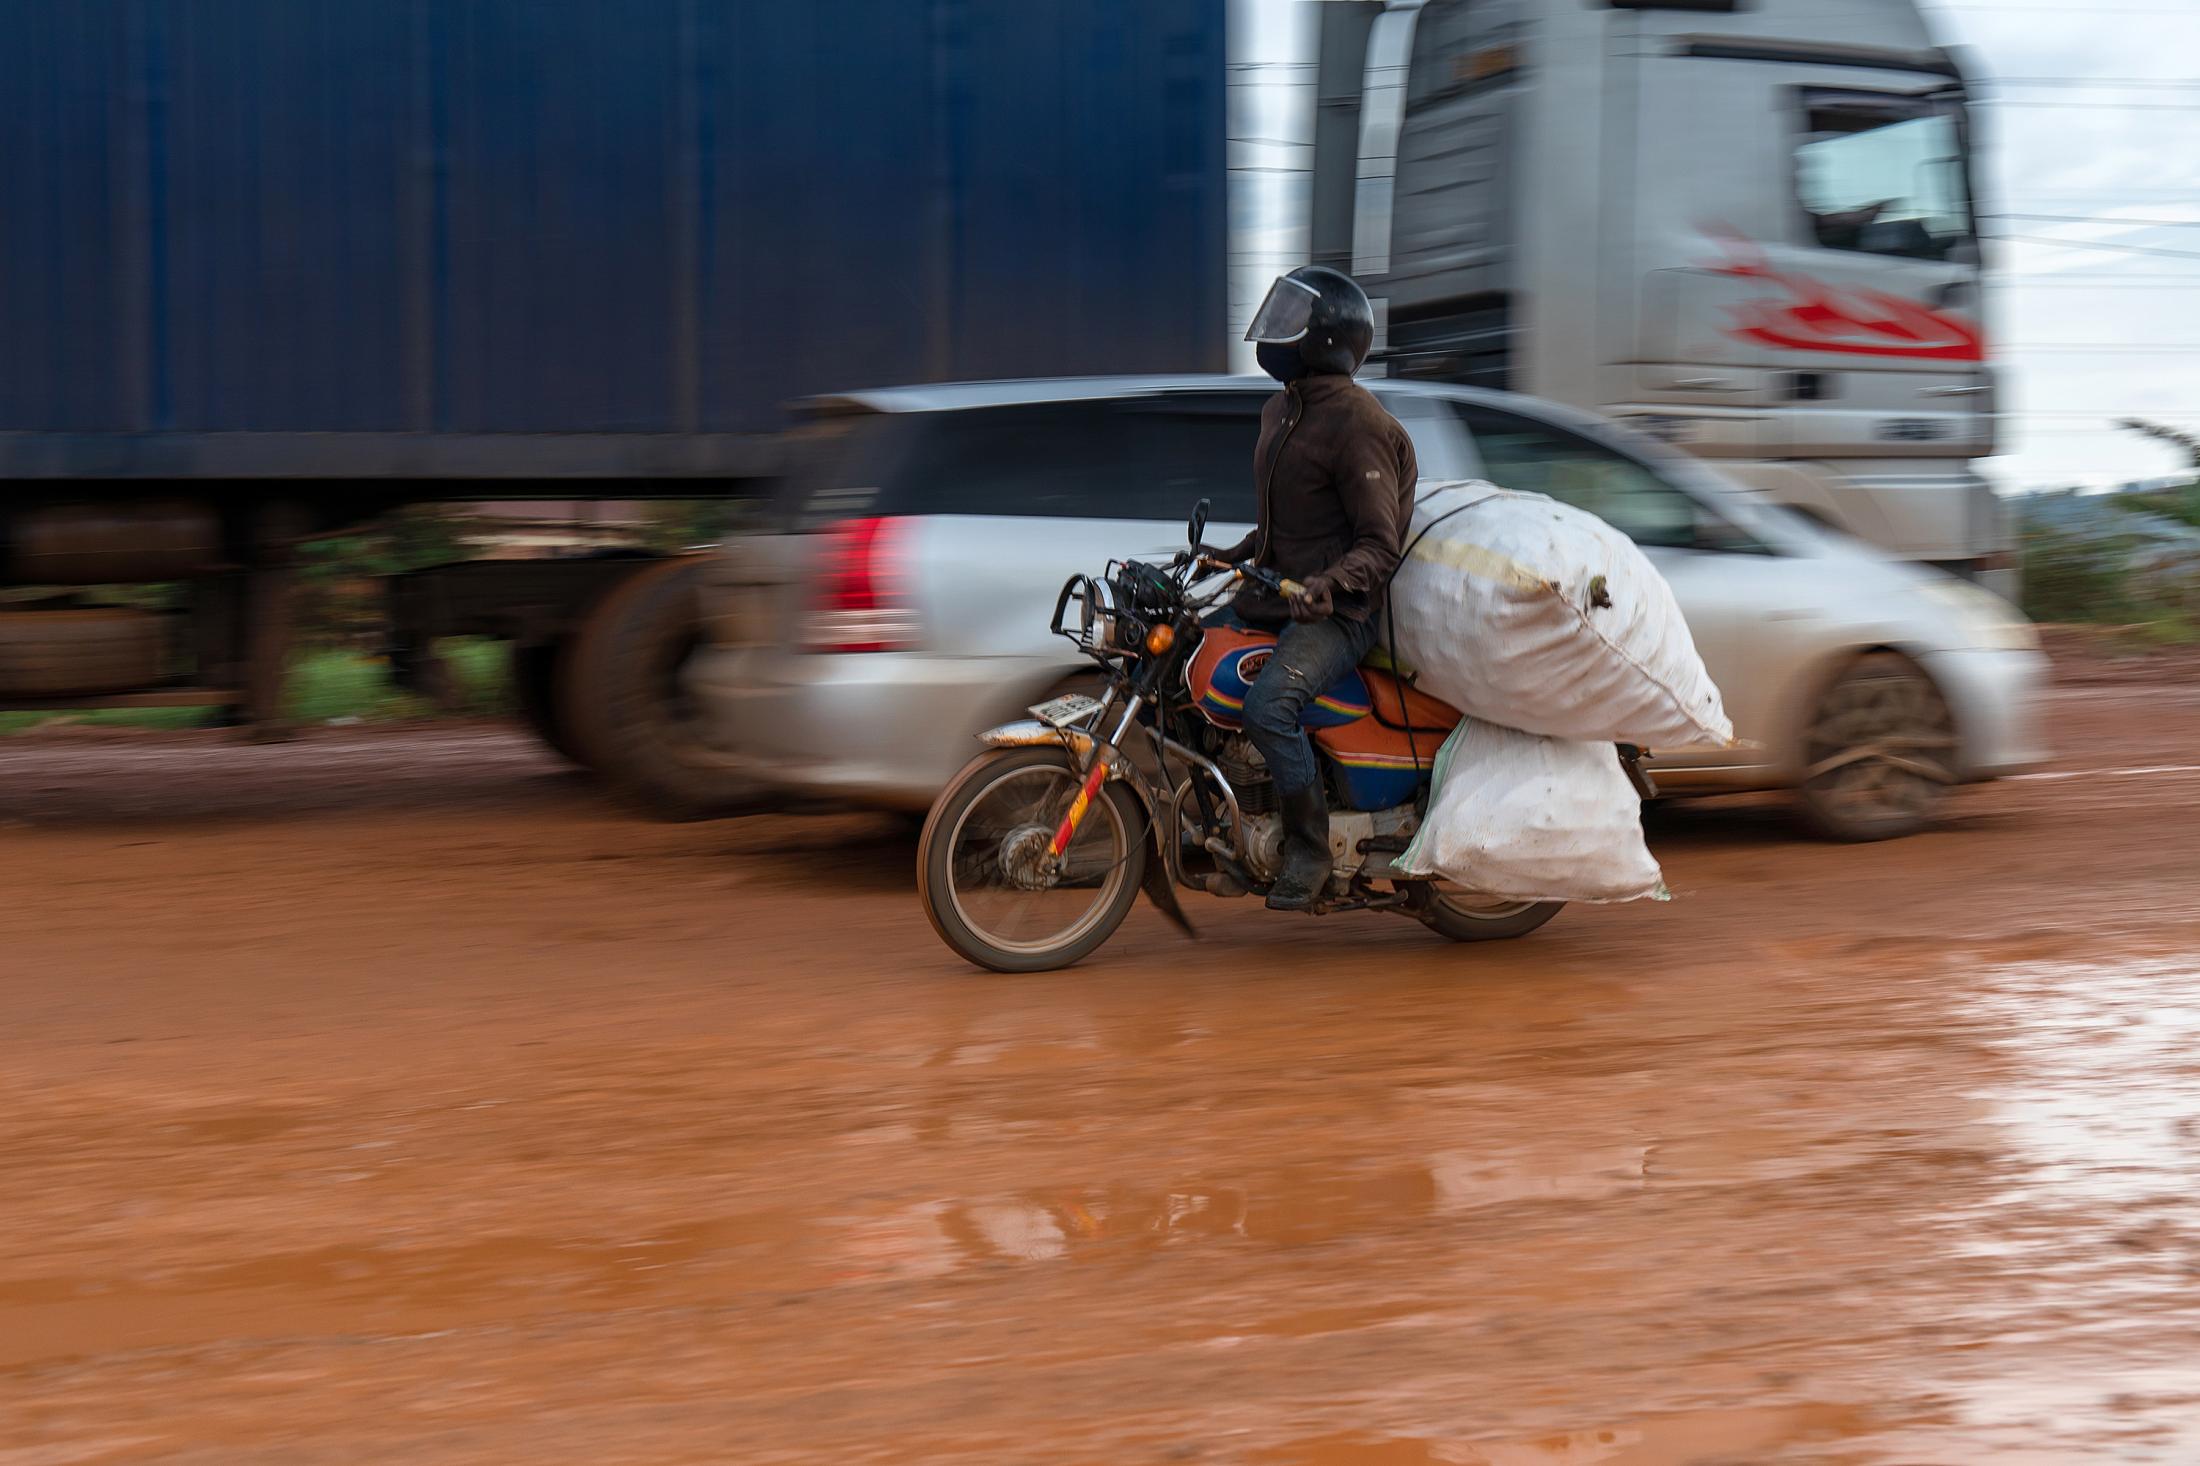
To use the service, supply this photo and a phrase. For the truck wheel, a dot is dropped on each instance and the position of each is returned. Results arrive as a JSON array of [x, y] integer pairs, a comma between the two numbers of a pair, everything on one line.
[[623, 711], [535, 694], [80, 653]]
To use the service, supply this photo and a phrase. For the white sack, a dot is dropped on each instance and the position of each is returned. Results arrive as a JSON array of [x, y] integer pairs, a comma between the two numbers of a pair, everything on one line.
[[1534, 819], [1530, 613]]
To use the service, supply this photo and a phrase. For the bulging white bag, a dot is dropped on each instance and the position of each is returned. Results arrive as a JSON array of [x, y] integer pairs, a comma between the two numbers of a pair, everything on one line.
[[1534, 819], [1526, 612]]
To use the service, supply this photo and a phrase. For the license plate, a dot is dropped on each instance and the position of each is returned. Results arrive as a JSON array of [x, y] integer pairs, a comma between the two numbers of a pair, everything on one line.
[[1063, 711]]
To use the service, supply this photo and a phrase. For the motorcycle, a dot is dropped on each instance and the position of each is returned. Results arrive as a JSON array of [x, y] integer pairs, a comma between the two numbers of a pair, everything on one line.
[[1037, 850]]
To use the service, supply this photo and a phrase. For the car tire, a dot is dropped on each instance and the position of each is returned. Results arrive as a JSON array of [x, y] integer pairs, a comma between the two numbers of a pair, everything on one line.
[[1879, 752], [621, 708]]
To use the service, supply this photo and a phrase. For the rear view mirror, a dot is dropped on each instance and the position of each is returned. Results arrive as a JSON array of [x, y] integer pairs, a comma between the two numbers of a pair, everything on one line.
[[1199, 521]]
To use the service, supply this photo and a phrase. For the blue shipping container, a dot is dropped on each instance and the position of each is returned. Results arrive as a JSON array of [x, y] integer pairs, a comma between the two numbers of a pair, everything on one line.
[[371, 220]]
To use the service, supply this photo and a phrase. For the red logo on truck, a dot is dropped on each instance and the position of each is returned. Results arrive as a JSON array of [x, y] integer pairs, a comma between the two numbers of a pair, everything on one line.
[[1815, 316]]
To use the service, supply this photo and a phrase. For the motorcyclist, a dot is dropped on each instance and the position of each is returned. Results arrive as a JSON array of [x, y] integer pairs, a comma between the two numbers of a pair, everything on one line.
[[1336, 474]]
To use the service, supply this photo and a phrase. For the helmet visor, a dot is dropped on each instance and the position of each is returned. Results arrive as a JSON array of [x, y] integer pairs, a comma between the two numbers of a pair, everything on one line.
[[1284, 316]]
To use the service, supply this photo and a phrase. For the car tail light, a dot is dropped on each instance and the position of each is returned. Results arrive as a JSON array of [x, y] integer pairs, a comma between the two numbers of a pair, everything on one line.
[[861, 603]]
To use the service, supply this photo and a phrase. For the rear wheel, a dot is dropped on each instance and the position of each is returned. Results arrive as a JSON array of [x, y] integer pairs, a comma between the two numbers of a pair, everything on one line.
[[984, 873], [623, 710], [1465, 917], [1880, 752]]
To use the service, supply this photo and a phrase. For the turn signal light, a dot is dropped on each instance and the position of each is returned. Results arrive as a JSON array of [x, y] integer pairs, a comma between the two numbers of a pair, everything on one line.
[[1160, 639]]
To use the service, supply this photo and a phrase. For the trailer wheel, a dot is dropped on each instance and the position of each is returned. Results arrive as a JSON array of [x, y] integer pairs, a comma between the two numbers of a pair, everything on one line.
[[535, 694], [80, 653], [623, 710]]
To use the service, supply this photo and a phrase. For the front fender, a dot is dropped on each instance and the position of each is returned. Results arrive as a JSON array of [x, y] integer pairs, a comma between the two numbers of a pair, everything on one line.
[[1031, 733]]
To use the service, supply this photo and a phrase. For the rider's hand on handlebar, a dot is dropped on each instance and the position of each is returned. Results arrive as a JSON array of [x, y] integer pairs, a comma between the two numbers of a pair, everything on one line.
[[1316, 599]]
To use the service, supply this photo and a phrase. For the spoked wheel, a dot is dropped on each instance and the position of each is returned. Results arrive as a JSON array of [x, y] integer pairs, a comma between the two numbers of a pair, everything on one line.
[[991, 888], [1880, 753], [1466, 917]]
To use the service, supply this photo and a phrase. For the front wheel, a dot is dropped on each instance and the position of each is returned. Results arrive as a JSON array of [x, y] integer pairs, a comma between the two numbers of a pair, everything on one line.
[[1880, 753], [1464, 917], [985, 876]]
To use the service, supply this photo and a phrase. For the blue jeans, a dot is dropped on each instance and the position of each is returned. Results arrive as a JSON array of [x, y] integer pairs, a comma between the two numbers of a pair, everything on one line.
[[1310, 657]]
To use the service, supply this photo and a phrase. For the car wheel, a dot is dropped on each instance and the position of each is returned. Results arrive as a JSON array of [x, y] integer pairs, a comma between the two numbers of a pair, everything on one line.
[[1879, 753]]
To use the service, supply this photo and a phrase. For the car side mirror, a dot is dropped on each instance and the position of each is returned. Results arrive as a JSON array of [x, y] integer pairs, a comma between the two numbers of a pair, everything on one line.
[[1200, 512]]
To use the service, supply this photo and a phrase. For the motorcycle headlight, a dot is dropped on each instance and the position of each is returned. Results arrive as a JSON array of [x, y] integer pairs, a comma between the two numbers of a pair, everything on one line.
[[1097, 624], [1988, 621]]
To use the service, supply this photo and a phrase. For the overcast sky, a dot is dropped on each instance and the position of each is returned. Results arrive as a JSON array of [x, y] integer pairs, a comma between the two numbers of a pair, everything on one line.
[[2097, 113]]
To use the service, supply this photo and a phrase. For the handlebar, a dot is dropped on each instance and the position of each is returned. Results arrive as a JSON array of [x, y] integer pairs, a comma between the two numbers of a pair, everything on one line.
[[1290, 589]]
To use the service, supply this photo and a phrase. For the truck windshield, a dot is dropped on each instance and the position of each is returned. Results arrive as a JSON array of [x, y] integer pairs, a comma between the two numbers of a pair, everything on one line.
[[1884, 173]]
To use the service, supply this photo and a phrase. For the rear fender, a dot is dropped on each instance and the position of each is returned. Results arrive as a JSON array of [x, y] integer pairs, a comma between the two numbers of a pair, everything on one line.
[[1159, 888]]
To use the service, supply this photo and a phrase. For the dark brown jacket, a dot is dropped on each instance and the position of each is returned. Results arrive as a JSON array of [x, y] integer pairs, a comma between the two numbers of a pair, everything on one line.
[[1336, 475]]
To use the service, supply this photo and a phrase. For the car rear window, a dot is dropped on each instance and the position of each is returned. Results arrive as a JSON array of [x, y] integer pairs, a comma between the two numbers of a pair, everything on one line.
[[1135, 458]]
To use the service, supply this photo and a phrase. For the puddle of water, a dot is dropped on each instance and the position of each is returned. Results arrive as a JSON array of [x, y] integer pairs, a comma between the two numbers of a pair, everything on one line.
[[2104, 1104], [1287, 1210], [389, 1289], [1687, 1438], [241, 1127], [1468, 1180]]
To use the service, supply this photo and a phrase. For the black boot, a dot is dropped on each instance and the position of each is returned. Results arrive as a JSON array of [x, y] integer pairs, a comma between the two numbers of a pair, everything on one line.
[[1306, 860]]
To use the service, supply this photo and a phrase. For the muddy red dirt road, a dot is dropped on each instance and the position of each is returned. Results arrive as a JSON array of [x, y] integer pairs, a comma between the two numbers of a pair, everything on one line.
[[386, 1099]]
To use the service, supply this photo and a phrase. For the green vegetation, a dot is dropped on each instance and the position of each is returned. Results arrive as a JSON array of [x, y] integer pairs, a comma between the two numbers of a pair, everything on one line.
[[340, 609], [2181, 504], [2081, 579], [326, 685]]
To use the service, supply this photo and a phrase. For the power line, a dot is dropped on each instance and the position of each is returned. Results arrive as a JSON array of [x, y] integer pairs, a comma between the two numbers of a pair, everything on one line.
[[2121, 191], [2105, 348], [2113, 287], [2133, 249], [2092, 83], [2033, 103], [2100, 219], [2062, 12]]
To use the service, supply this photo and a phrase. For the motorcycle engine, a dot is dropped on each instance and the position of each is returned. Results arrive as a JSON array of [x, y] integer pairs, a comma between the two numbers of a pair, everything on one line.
[[1248, 774]]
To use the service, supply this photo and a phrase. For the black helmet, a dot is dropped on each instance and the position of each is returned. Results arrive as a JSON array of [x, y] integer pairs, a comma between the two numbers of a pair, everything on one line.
[[1315, 320]]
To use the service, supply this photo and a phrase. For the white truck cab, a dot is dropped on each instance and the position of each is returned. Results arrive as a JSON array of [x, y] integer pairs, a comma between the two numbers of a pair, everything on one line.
[[1745, 226]]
